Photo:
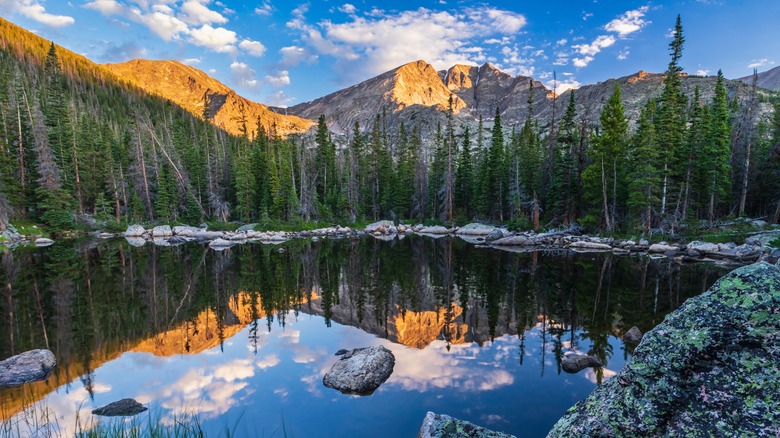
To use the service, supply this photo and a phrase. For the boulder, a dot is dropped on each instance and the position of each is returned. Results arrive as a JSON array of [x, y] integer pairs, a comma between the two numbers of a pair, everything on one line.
[[122, 408], [514, 241], [574, 363], [763, 239], [136, 241], [711, 368], [476, 229], [42, 241], [703, 247], [361, 371], [379, 226], [247, 227], [186, 231], [135, 231], [444, 426], [105, 235], [29, 366], [589, 246], [162, 231], [633, 336], [662, 248], [495, 235], [437, 229]]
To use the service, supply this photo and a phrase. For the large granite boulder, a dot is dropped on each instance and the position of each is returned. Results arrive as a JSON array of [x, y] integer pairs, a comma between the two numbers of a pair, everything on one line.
[[29, 366], [361, 371], [711, 368], [475, 229], [162, 231], [135, 231], [444, 426], [381, 227]]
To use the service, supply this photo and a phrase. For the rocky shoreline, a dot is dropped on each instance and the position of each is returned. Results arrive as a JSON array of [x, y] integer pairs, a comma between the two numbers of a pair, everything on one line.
[[757, 247]]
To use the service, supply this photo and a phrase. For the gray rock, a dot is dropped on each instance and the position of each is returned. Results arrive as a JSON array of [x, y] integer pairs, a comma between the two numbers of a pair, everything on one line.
[[590, 246], [43, 242], [135, 231], [476, 229], [122, 408], [633, 336], [247, 227], [574, 363], [703, 247], [379, 226], [361, 371], [106, 235], [444, 426], [515, 241], [494, 235], [29, 366], [220, 244], [162, 231], [136, 241], [183, 230], [644, 242], [438, 229], [342, 352], [711, 368], [662, 248]]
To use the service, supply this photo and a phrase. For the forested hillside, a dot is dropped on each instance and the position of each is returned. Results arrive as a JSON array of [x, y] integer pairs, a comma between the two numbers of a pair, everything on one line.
[[78, 142]]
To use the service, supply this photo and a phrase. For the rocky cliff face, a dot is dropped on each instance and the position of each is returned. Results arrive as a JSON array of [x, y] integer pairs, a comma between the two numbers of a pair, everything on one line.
[[191, 88]]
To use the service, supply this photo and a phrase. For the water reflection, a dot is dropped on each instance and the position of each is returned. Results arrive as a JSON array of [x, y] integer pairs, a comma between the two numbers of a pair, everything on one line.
[[218, 332]]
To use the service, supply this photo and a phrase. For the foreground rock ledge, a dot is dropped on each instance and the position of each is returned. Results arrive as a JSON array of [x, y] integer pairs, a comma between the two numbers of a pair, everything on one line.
[[361, 371], [444, 426], [29, 366], [711, 368]]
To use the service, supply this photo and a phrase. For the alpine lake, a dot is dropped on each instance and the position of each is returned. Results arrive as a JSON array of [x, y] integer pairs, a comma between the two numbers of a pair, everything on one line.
[[240, 339]]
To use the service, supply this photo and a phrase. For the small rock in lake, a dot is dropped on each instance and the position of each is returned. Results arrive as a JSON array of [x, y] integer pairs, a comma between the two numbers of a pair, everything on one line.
[[444, 426], [361, 371], [577, 362], [43, 242], [633, 336], [29, 366], [122, 408]]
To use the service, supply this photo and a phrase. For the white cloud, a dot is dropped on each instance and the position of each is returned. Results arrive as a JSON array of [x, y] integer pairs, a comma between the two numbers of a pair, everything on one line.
[[294, 55], [159, 20], [758, 63], [347, 8], [195, 13], [383, 41], [623, 54], [628, 23], [601, 42], [264, 10], [702, 72], [254, 48], [582, 62], [34, 10], [279, 99], [561, 42], [217, 39], [191, 61], [244, 75], [164, 25], [586, 15], [562, 86], [282, 79]]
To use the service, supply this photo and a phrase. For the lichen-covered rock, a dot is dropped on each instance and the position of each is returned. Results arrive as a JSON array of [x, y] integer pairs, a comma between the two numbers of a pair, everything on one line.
[[515, 241], [29, 366], [444, 426], [633, 336], [711, 368], [361, 371], [122, 408], [162, 231], [574, 363]]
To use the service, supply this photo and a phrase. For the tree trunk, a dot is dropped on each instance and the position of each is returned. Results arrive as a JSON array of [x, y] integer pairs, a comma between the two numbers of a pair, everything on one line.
[[663, 196], [604, 195], [745, 172]]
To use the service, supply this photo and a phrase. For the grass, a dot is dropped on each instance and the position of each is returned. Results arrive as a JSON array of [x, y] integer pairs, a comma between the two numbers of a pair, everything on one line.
[[152, 426], [26, 228]]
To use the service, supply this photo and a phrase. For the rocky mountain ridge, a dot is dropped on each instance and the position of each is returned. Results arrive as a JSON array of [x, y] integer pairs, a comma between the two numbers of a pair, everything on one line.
[[194, 90], [769, 79]]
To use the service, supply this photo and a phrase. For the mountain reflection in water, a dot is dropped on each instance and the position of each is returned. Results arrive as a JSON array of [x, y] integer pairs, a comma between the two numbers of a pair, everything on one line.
[[242, 337]]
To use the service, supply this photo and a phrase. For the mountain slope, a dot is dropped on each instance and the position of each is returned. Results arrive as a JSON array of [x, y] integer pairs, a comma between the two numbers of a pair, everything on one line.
[[769, 79], [190, 88]]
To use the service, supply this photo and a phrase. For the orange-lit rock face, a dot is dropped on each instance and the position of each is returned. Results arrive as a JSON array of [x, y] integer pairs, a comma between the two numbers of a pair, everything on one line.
[[189, 88]]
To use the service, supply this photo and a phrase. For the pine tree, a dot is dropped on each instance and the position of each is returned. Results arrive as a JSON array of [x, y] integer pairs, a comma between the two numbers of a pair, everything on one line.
[[564, 190], [326, 171], [714, 162], [464, 177], [495, 174], [645, 175]]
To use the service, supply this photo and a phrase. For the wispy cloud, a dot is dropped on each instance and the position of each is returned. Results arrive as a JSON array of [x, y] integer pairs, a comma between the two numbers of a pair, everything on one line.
[[34, 10], [758, 63], [628, 23]]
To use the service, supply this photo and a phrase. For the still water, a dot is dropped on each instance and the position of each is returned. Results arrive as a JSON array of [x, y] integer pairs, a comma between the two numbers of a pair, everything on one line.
[[241, 338]]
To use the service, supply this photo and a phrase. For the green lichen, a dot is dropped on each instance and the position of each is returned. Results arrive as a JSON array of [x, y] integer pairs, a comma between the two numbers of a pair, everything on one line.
[[711, 368]]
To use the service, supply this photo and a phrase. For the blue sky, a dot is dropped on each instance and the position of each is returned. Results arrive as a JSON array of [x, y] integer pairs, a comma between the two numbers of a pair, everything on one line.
[[286, 52]]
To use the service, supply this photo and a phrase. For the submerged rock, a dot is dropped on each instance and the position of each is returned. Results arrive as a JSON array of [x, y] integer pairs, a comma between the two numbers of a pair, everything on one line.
[[220, 244], [633, 336], [711, 368], [360, 371], [124, 408], [444, 426], [574, 363], [29, 366]]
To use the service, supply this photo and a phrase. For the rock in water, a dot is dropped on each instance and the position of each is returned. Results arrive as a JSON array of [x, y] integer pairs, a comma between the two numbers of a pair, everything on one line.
[[633, 336], [711, 368], [135, 231], [29, 366], [122, 408], [361, 371], [444, 426], [577, 362]]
